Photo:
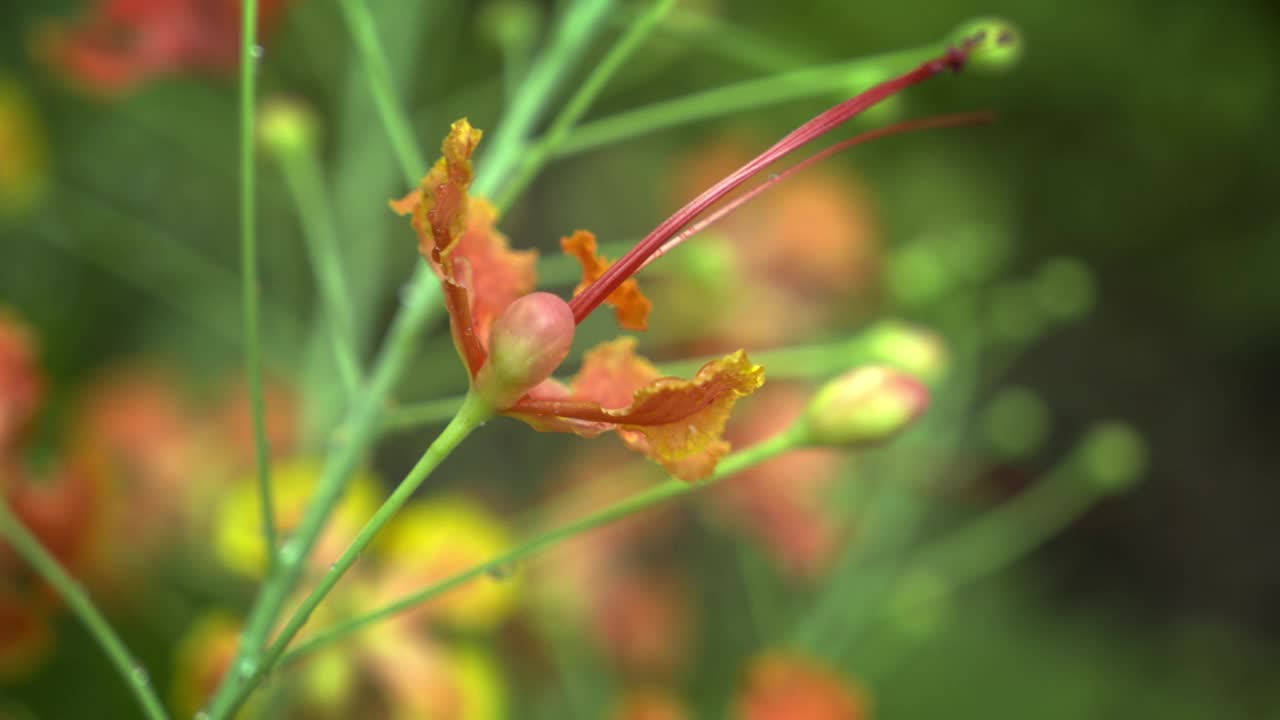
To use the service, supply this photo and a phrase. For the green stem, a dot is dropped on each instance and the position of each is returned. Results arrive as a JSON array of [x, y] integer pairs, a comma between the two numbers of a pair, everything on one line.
[[656, 495], [998, 538], [473, 414], [581, 100], [249, 275], [421, 302], [576, 30], [736, 44], [801, 362], [360, 431], [364, 33], [302, 175], [791, 85], [29, 547]]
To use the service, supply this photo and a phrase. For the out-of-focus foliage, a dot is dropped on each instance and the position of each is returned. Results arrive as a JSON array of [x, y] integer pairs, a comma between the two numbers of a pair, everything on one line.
[[1084, 292]]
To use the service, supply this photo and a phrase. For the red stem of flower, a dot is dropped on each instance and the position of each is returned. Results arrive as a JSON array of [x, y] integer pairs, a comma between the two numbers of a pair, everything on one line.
[[591, 297], [941, 121]]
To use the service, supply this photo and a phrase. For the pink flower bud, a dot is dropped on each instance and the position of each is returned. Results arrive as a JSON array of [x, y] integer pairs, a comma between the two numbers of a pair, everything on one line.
[[865, 406], [527, 343]]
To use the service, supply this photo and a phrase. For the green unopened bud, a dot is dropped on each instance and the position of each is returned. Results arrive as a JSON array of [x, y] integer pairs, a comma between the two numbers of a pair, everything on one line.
[[1016, 422], [918, 274], [286, 126], [915, 350], [1013, 315], [996, 44], [509, 23], [1064, 288], [865, 406], [527, 343], [1113, 456]]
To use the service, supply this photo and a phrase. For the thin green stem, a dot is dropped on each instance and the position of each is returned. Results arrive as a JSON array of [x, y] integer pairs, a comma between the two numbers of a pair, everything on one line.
[[249, 275], [656, 495], [302, 175], [998, 538], [800, 362], [762, 92], [421, 303], [427, 413], [473, 414], [637, 32], [572, 36], [30, 549], [364, 33], [717, 36], [170, 271], [350, 443]]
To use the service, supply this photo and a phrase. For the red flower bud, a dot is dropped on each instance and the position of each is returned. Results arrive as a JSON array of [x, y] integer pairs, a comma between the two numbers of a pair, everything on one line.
[[528, 342]]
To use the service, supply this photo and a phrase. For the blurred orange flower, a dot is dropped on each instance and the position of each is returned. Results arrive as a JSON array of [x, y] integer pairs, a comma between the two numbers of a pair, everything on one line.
[[808, 249], [651, 704], [784, 503], [781, 687], [117, 45], [21, 382]]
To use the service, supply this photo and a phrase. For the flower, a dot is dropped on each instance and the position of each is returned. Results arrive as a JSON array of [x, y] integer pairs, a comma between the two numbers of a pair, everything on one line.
[[651, 703], [120, 44], [237, 522], [512, 339], [433, 539], [24, 174], [786, 504], [21, 384], [808, 251], [781, 687]]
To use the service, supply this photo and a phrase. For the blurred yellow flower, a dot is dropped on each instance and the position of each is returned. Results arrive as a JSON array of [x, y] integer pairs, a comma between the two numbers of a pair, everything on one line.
[[237, 526], [24, 161], [432, 540], [201, 660]]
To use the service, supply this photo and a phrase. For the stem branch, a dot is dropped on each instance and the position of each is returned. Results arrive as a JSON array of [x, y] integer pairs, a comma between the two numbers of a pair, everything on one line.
[[29, 547], [643, 500], [249, 275]]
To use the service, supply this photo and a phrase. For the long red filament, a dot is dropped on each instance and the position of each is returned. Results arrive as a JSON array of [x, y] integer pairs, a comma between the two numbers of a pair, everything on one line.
[[590, 298], [931, 123]]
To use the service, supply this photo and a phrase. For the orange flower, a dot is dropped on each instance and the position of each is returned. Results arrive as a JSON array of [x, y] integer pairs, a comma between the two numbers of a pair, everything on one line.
[[780, 687], [651, 704], [21, 386], [512, 339], [120, 44], [784, 504]]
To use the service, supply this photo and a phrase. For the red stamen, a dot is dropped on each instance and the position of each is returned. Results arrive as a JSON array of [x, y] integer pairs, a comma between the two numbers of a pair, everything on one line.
[[941, 121], [590, 298]]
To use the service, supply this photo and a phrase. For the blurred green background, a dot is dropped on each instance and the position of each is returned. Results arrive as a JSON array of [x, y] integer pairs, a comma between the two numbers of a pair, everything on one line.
[[1133, 136]]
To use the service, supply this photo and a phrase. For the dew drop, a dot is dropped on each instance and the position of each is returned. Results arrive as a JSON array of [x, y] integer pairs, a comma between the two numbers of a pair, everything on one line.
[[289, 553], [139, 675], [773, 177], [247, 667], [258, 52], [501, 572], [202, 715]]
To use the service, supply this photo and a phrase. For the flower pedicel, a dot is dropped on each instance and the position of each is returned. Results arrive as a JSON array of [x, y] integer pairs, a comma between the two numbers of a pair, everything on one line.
[[512, 339]]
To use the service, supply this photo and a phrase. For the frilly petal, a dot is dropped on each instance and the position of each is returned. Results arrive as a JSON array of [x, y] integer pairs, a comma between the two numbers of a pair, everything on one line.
[[480, 273], [677, 423], [630, 304]]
